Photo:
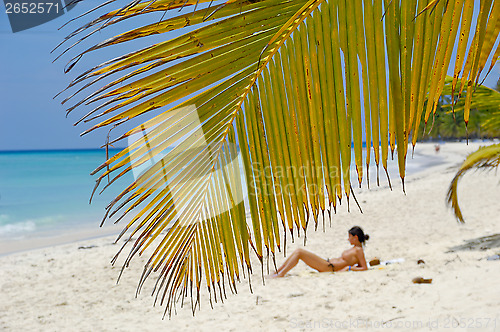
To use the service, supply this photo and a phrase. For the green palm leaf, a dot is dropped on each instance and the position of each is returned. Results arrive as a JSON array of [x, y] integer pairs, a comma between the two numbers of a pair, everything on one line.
[[484, 157], [485, 98], [279, 79]]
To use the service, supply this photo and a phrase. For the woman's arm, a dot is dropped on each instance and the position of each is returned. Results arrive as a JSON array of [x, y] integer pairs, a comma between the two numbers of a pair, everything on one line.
[[361, 266], [358, 268], [345, 269], [352, 268]]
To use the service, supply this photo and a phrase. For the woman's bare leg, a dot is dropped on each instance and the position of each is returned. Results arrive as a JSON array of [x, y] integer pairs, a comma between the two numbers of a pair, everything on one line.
[[307, 257]]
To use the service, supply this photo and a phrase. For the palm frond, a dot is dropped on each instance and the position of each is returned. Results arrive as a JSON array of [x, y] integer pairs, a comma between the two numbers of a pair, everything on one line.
[[484, 98], [485, 157]]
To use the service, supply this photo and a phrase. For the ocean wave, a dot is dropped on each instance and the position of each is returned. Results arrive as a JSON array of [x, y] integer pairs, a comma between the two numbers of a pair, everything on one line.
[[22, 227], [11, 226]]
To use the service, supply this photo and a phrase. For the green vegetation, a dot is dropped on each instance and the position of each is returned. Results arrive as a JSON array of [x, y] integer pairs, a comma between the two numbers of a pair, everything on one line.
[[448, 122]]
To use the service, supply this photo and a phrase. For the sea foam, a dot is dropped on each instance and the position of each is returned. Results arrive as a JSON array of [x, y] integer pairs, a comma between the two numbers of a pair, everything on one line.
[[17, 228]]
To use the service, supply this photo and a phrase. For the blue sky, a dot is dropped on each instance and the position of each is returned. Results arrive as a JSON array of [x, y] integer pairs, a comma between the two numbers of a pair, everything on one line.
[[29, 118]]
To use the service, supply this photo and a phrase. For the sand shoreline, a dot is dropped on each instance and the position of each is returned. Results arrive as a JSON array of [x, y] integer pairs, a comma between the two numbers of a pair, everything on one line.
[[65, 288], [47, 239]]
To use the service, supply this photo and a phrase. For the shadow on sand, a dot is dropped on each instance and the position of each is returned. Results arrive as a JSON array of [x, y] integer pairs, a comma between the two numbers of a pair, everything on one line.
[[480, 243]]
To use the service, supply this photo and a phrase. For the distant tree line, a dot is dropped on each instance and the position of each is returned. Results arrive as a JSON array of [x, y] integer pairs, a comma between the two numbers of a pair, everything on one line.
[[448, 123]]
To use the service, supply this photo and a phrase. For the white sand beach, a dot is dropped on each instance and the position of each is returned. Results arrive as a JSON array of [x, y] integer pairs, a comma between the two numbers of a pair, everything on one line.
[[72, 287]]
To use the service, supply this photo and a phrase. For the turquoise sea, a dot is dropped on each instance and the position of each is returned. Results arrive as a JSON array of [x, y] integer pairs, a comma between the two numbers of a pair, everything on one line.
[[48, 192]]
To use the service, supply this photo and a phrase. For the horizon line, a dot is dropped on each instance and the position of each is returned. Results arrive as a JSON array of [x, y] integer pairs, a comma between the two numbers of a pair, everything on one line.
[[59, 150]]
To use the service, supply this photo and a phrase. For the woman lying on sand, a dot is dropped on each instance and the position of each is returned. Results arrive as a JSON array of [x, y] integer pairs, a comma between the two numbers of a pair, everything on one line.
[[352, 259]]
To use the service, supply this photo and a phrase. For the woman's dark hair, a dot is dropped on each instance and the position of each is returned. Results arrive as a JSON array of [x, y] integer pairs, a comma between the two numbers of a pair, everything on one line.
[[362, 237]]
